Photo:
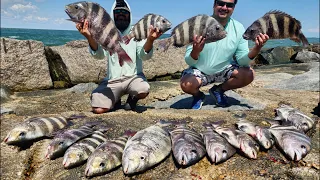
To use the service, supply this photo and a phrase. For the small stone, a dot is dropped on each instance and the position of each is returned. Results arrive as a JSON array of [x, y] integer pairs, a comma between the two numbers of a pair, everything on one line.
[[262, 172]]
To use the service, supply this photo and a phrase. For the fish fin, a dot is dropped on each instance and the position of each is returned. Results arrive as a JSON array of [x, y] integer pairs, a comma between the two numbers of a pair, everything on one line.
[[304, 40], [217, 123], [130, 133], [272, 121], [126, 39], [75, 116], [103, 128], [206, 124], [164, 44], [124, 57]]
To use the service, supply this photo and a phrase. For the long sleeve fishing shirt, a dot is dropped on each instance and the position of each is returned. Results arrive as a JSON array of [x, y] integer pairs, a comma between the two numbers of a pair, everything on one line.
[[216, 56]]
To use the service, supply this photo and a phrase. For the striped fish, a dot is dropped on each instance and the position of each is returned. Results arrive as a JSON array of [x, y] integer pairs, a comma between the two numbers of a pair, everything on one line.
[[141, 29], [36, 127], [218, 148], [146, 148], [239, 140], [107, 156], [187, 145], [260, 134], [62, 141], [287, 116], [101, 26], [294, 143], [201, 25], [277, 25], [80, 151]]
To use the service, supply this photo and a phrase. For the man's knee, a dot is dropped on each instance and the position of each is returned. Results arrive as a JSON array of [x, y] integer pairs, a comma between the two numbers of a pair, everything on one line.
[[189, 84], [142, 95], [250, 75], [246, 74], [98, 110]]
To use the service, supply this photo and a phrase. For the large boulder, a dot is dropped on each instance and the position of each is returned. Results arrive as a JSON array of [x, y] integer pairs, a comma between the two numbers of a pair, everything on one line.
[[305, 57], [277, 55], [73, 64], [24, 65]]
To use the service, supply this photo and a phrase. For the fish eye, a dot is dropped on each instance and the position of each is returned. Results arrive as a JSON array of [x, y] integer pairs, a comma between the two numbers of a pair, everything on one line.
[[102, 165], [61, 142], [193, 151], [257, 145], [142, 158], [163, 21], [305, 124], [217, 28], [303, 147], [76, 6], [22, 134], [224, 151]]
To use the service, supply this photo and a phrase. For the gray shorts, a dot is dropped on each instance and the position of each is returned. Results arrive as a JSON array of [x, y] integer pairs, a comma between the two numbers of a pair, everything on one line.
[[110, 91], [214, 78]]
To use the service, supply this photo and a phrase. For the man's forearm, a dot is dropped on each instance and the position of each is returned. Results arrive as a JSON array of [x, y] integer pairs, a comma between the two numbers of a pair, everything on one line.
[[194, 54], [92, 43], [254, 52], [148, 45]]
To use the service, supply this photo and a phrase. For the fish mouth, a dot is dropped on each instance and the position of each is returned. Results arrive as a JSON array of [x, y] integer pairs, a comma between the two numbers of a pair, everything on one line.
[[6, 139], [87, 172], [245, 37]]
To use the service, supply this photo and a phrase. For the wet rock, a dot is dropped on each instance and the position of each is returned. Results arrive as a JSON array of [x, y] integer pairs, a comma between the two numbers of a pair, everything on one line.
[[83, 88], [278, 55], [305, 57], [24, 65]]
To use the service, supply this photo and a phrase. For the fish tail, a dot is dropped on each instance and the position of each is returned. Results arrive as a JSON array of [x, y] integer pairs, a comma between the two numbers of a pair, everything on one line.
[[164, 44], [126, 39], [130, 133], [207, 124], [272, 121], [304, 40], [124, 57], [217, 123], [92, 124]]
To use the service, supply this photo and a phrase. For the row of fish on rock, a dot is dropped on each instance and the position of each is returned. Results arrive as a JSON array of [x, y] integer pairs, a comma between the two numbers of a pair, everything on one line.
[[277, 24], [138, 151]]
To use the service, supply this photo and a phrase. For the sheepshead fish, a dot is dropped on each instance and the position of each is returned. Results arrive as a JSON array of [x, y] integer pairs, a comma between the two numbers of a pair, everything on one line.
[[287, 115], [80, 151], [101, 26], [201, 25], [218, 148], [277, 25], [141, 29], [294, 143], [36, 127], [107, 155], [146, 148], [187, 145], [62, 141], [260, 134], [239, 140]]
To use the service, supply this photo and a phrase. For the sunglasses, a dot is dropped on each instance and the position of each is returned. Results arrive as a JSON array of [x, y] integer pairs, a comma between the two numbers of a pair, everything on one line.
[[118, 11], [228, 4]]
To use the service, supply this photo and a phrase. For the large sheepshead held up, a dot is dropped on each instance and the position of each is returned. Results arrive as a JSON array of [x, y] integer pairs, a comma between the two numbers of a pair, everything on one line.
[[36, 127], [146, 148], [187, 145], [63, 140], [239, 140], [294, 143], [218, 148], [287, 115], [140, 30], [101, 26], [200, 25], [261, 134], [107, 156], [80, 151], [277, 25]]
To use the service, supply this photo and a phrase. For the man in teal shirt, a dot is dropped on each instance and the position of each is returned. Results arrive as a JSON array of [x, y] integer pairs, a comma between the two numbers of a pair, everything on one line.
[[128, 79], [214, 62]]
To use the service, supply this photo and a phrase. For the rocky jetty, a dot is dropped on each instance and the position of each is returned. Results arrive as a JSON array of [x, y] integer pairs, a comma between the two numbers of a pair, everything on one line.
[[286, 82]]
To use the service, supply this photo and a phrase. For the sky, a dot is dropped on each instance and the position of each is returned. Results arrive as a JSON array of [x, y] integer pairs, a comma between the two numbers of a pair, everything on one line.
[[50, 14]]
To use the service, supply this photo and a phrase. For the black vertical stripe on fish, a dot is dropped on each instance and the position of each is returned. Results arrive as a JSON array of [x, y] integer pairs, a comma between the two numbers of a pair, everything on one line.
[[270, 27], [280, 20], [291, 27], [62, 120], [139, 31], [204, 23], [40, 124], [191, 31], [54, 124], [80, 133], [105, 20], [145, 27], [153, 18], [181, 37], [95, 9]]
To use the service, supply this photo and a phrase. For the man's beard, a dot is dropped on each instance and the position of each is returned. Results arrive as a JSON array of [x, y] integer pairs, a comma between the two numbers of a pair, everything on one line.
[[122, 24]]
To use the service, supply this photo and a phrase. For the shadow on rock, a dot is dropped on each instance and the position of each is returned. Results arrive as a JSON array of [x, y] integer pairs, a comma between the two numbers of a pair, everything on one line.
[[316, 110], [209, 101]]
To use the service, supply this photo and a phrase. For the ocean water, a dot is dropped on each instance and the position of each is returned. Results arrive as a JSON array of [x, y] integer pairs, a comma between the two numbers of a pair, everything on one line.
[[61, 37]]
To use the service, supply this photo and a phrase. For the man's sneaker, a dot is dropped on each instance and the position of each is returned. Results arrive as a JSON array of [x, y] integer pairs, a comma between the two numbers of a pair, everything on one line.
[[131, 103], [198, 101], [219, 96]]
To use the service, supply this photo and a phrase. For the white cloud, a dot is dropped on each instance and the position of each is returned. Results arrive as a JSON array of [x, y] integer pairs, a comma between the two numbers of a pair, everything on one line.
[[42, 19], [5, 3], [23, 8], [60, 21], [40, 0], [6, 13], [314, 30], [35, 18], [28, 18]]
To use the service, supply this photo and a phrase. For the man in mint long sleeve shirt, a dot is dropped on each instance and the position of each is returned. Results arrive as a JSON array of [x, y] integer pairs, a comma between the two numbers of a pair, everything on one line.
[[213, 62], [126, 79]]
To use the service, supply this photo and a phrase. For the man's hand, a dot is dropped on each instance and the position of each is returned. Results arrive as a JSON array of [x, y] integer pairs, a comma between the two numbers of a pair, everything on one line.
[[154, 33], [198, 45], [83, 28], [261, 39]]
